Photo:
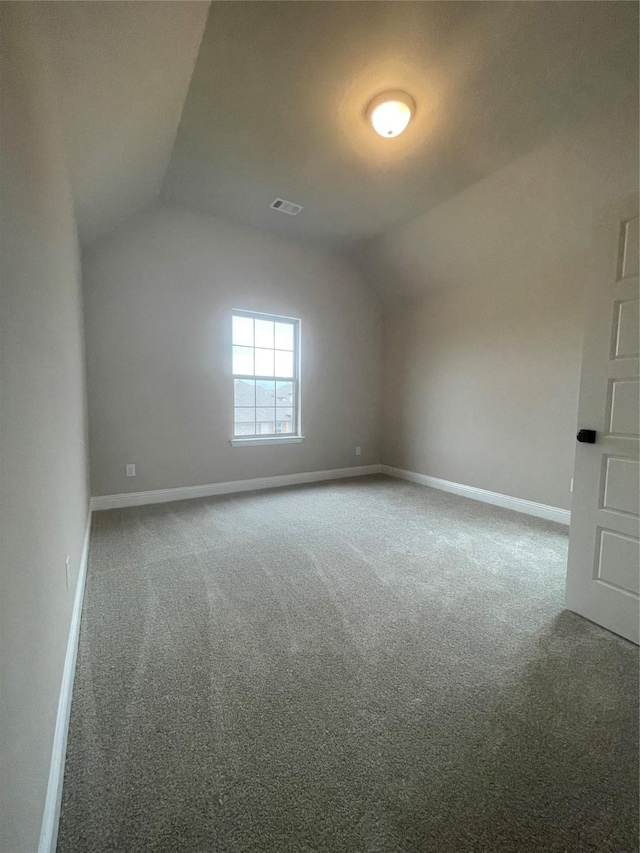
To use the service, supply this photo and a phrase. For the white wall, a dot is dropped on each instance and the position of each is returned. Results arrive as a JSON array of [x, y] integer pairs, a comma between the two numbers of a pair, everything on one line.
[[158, 302], [44, 484], [483, 342]]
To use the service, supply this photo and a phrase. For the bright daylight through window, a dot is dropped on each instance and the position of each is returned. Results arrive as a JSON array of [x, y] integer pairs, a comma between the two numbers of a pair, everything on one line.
[[265, 362]]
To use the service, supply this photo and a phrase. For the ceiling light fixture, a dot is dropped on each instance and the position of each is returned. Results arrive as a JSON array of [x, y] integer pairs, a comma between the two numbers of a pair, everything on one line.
[[390, 113]]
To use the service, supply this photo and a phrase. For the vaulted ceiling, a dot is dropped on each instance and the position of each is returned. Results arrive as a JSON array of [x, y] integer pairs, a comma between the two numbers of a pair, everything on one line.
[[122, 71], [276, 103]]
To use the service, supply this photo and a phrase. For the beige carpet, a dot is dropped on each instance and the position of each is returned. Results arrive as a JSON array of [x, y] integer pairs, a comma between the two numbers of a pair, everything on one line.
[[362, 665]]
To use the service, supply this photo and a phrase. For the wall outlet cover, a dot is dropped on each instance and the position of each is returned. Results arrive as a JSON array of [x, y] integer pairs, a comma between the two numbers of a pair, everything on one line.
[[130, 469]]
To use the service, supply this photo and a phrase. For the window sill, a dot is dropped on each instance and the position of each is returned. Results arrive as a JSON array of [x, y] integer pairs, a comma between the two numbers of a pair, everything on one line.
[[266, 439]]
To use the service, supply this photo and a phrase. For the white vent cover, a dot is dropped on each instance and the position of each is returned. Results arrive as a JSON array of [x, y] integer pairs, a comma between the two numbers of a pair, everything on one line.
[[286, 206]]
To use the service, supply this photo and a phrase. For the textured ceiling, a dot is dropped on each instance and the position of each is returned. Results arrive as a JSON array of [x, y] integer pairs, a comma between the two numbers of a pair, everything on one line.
[[121, 70], [277, 101]]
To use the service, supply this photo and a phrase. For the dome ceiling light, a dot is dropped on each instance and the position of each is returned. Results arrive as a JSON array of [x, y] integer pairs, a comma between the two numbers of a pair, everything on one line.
[[390, 113]]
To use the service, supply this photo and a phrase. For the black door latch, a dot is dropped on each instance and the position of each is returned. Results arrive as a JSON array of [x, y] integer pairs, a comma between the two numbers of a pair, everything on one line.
[[588, 436]]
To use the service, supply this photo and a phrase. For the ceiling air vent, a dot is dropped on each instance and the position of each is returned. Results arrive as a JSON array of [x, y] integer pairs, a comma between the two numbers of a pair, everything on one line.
[[286, 206]]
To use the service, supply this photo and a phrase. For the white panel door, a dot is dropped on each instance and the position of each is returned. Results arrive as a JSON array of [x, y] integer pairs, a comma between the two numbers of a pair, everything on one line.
[[604, 550]]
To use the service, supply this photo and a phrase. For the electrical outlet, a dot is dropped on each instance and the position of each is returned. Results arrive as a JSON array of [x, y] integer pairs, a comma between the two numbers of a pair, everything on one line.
[[358, 451], [67, 568], [130, 470], [571, 486]]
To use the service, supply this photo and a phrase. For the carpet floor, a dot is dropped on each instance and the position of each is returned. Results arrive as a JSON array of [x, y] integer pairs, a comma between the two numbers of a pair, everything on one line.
[[362, 666]]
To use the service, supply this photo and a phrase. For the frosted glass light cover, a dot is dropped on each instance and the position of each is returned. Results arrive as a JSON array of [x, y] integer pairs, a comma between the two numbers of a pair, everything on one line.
[[390, 114]]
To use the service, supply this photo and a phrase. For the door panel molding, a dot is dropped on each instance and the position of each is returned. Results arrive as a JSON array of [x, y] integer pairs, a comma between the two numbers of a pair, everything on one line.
[[604, 546]]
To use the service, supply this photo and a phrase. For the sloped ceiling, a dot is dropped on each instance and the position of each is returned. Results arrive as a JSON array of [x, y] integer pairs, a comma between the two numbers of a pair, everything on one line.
[[277, 103], [121, 70], [530, 218]]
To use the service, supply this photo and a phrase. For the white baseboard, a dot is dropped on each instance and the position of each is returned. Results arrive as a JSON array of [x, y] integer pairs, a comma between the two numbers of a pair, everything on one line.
[[551, 513], [51, 815], [164, 495]]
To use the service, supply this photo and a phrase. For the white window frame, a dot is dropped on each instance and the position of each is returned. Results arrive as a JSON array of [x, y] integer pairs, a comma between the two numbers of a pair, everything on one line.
[[281, 438]]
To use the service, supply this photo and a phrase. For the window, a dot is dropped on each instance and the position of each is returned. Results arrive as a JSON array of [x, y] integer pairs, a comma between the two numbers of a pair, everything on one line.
[[265, 378]]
